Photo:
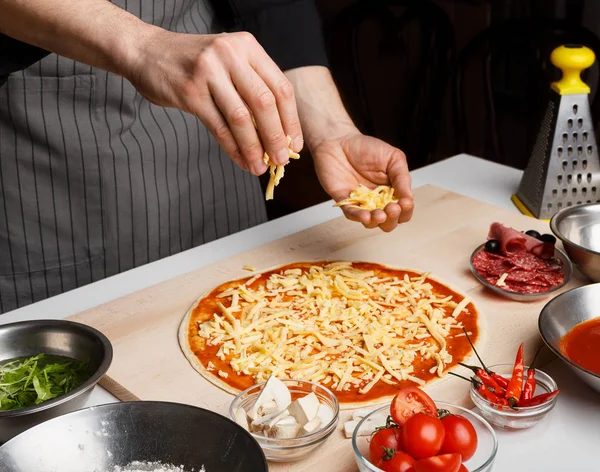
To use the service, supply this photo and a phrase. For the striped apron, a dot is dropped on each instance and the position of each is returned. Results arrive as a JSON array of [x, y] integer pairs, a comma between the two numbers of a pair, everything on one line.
[[95, 180]]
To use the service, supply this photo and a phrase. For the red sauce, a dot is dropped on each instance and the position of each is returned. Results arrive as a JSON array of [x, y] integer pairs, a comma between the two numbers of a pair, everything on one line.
[[457, 347], [581, 345]]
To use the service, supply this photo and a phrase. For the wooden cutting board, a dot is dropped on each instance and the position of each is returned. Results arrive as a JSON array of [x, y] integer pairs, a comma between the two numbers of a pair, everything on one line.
[[445, 229]]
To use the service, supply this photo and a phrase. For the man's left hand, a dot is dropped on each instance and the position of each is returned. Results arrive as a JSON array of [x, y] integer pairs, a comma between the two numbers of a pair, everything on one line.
[[342, 163]]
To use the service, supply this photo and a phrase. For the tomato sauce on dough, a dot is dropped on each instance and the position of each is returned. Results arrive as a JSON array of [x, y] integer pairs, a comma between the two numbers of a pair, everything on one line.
[[581, 345], [458, 347]]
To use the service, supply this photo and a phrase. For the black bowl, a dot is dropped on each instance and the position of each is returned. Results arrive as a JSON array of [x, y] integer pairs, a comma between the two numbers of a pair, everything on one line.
[[97, 439]]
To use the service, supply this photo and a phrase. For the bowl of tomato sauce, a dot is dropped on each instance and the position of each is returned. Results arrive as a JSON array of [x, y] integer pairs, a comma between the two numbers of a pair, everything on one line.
[[425, 435], [569, 324]]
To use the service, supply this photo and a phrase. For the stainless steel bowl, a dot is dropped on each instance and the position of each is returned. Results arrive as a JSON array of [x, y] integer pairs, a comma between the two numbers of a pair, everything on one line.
[[58, 338], [101, 438], [562, 313], [567, 269], [578, 228]]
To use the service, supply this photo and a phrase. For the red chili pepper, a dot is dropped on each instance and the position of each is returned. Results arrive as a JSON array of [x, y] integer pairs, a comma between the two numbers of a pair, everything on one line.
[[502, 381], [529, 387], [538, 399], [484, 391], [515, 386], [487, 379], [491, 396]]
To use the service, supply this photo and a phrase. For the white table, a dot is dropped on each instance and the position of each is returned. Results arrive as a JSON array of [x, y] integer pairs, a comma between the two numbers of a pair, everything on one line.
[[567, 440]]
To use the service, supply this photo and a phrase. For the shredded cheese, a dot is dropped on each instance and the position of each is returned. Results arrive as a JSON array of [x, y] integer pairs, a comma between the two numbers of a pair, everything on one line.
[[335, 324], [501, 281], [276, 172], [367, 199]]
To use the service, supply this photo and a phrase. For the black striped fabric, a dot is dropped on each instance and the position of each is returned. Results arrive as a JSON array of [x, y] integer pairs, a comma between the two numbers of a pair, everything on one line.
[[95, 180]]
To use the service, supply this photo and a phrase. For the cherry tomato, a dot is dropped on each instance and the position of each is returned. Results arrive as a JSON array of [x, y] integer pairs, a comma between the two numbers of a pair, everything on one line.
[[411, 400], [422, 436], [384, 438], [401, 462], [460, 436], [442, 463], [463, 468]]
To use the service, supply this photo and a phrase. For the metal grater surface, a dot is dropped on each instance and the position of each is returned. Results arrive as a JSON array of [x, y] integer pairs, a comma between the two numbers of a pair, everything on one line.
[[564, 168]]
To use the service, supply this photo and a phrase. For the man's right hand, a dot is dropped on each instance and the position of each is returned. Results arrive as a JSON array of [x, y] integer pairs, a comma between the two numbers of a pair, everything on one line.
[[224, 80]]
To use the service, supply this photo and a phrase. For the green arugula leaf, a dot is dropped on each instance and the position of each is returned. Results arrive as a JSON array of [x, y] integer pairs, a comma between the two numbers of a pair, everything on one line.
[[34, 380]]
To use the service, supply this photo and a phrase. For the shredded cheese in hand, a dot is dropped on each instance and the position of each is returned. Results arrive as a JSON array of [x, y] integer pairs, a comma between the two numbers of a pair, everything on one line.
[[367, 199], [337, 325]]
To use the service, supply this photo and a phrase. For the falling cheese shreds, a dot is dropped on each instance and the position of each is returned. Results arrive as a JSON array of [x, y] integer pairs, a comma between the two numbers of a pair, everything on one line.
[[367, 199], [276, 172], [249, 268], [336, 324]]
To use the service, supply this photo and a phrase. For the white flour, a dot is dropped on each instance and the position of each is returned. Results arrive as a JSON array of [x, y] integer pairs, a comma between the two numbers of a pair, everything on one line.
[[145, 466]]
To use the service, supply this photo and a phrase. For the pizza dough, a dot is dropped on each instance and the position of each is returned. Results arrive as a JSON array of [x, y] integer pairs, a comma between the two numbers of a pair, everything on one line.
[[363, 330]]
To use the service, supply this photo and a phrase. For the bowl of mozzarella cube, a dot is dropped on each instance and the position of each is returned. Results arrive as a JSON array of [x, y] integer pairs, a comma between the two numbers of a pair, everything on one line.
[[288, 418]]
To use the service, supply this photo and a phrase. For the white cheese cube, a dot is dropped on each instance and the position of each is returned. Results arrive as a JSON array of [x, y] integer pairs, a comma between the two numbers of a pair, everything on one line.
[[285, 428], [274, 390], [268, 408], [305, 409], [241, 418], [311, 426], [325, 414]]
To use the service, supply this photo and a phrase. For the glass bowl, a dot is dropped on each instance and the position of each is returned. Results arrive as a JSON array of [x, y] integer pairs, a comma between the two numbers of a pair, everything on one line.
[[518, 418], [567, 269], [482, 461], [289, 450]]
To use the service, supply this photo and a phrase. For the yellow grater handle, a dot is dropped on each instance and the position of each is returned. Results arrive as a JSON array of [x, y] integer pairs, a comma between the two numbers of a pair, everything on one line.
[[572, 60]]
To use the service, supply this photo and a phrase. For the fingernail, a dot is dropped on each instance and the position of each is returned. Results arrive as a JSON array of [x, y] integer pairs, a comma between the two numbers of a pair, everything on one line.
[[259, 168], [283, 156], [298, 144]]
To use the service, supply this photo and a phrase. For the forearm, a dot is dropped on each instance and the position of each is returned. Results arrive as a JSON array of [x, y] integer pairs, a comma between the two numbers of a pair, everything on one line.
[[94, 32], [320, 108]]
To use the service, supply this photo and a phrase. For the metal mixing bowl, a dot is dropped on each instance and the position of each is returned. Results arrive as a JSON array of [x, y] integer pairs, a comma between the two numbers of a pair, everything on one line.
[[58, 338], [561, 314], [578, 228], [101, 438]]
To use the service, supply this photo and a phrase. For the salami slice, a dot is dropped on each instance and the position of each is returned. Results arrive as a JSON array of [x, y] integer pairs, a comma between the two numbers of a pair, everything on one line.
[[521, 271], [512, 241]]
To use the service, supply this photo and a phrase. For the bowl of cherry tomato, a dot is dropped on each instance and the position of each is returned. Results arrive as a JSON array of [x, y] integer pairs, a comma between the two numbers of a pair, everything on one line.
[[421, 435]]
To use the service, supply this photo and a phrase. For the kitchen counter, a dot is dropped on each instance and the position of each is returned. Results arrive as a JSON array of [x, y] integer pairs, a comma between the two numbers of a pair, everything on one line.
[[566, 440]]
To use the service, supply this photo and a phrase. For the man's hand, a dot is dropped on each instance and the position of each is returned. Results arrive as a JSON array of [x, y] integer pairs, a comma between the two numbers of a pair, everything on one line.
[[345, 162], [344, 157], [225, 80]]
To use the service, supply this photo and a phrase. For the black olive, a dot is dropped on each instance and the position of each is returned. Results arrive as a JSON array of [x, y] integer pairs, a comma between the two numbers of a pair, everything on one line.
[[547, 238], [493, 246], [533, 233]]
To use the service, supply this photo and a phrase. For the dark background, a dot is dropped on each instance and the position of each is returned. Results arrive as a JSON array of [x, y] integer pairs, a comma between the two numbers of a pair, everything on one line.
[[440, 77]]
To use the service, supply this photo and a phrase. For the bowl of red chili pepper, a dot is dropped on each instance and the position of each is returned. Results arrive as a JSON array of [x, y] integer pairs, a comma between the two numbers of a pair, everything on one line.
[[524, 398]]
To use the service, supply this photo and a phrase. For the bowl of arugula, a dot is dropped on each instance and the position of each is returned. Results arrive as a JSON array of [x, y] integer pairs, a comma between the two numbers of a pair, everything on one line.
[[47, 368]]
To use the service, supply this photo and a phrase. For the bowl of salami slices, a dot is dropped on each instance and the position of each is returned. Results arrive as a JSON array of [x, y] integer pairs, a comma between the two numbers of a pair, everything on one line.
[[523, 266]]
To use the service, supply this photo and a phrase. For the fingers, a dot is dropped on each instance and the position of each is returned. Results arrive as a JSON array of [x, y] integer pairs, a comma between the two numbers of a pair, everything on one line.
[[393, 212], [283, 92], [401, 181], [210, 114], [264, 107], [238, 124]]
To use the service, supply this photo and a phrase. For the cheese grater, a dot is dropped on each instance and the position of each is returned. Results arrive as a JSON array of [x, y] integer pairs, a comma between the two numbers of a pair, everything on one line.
[[564, 168]]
